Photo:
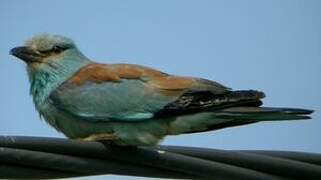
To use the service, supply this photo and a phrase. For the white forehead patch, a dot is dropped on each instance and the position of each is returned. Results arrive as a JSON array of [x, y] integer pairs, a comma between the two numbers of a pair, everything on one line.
[[44, 42]]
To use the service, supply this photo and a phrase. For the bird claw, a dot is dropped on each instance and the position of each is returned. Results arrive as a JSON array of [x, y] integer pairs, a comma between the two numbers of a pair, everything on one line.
[[101, 137]]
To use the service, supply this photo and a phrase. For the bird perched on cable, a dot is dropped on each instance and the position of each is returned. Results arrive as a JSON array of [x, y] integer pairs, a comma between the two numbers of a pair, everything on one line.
[[130, 104]]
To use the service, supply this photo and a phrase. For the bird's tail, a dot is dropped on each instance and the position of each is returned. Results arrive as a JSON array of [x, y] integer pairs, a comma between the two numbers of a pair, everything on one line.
[[236, 116], [263, 113]]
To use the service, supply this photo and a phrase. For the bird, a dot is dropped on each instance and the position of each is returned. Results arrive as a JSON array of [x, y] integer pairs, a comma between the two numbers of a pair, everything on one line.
[[128, 104]]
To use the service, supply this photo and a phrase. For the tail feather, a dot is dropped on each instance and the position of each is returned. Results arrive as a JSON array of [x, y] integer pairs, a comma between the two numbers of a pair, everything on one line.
[[237, 116], [264, 113]]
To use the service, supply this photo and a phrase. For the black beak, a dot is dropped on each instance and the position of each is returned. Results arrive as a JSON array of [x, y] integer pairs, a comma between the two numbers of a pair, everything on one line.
[[26, 54]]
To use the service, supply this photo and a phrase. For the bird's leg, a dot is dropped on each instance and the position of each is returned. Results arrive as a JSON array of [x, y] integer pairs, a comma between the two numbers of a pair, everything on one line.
[[101, 137]]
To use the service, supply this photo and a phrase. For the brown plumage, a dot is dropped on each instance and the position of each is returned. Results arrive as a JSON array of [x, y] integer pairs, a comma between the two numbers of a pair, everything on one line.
[[99, 73]]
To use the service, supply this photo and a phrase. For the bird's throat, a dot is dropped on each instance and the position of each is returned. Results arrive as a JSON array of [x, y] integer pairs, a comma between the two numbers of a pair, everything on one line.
[[46, 78]]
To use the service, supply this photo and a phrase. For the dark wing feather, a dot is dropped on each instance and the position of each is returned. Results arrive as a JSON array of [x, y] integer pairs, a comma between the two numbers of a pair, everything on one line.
[[191, 102]]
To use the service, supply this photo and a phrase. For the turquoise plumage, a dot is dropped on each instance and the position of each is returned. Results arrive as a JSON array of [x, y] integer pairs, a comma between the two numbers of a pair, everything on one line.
[[130, 104]]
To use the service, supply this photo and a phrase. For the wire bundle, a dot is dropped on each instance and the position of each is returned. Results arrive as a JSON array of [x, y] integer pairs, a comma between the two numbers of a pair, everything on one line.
[[43, 158]]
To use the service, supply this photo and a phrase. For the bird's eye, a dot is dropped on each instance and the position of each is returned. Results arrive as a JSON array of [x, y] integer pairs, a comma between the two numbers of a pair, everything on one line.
[[58, 49], [54, 50]]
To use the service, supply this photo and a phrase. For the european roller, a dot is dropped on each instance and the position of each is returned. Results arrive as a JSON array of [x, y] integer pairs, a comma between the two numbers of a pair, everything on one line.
[[127, 104]]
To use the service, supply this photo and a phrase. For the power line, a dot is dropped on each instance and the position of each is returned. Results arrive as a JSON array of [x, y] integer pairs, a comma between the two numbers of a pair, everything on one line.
[[41, 157]]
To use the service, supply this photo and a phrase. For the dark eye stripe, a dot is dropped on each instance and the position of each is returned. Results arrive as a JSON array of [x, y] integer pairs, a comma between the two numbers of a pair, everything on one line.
[[55, 49], [59, 48]]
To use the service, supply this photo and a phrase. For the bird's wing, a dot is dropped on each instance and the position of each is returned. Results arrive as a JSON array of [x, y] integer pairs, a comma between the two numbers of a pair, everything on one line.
[[100, 92]]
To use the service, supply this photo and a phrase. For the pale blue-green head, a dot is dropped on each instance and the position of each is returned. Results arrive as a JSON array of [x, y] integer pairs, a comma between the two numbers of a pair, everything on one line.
[[49, 51]]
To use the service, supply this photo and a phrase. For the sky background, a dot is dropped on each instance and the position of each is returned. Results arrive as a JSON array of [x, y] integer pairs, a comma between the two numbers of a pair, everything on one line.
[[273, 46]]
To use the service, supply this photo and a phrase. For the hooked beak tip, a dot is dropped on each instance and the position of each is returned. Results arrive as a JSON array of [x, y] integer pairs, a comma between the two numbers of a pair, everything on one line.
[[13, 51], [25, 53]]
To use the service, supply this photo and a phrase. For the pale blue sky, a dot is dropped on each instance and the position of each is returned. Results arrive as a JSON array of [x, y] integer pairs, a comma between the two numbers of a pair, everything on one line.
[[273, 46]]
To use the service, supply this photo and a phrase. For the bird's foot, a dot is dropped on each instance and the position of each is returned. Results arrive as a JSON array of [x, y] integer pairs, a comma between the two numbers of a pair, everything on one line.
[[101, 137]]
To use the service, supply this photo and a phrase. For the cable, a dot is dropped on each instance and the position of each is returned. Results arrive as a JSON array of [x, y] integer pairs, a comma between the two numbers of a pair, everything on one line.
[[264, 162], [8, 171], [76, 165], [70, 158]]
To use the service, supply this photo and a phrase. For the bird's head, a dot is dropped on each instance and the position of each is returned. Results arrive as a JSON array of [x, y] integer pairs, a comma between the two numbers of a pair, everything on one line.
[[47, 51], [44, 48]]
